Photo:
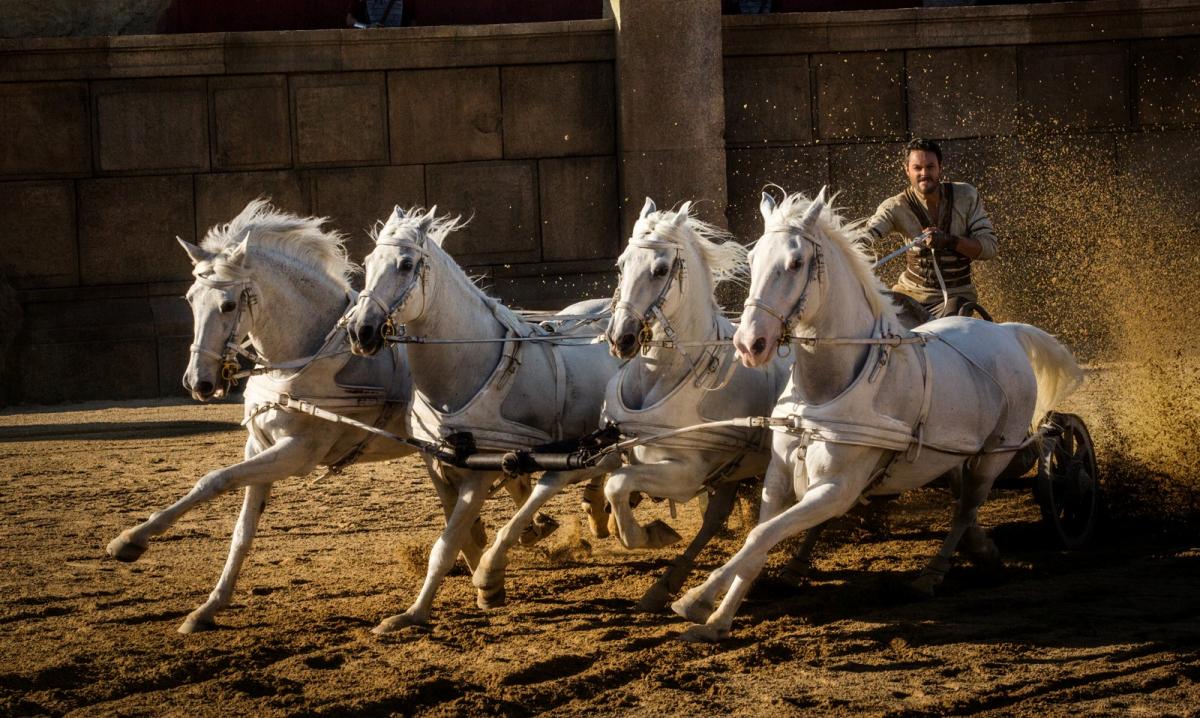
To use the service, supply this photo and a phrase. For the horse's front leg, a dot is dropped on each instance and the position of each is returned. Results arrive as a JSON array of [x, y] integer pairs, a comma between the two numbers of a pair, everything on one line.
[[719, 506], [489, 576], [473, 487], [837, 481], [287, 457], [542, 525], [671, 479]]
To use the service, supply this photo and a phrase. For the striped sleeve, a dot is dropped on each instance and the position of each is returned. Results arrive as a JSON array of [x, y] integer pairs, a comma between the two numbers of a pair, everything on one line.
[[979, 228]]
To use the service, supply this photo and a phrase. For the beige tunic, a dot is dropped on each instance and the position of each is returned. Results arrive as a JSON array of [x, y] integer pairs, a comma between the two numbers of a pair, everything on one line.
[[966, 218]]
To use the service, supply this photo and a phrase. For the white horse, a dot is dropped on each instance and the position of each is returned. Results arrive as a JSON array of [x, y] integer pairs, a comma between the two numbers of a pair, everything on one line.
[[683, 377], [503, 392], [282, 282], [871, 408]]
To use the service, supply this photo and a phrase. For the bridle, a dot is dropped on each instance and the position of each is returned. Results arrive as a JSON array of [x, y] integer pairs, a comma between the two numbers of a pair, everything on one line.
[[814, 276], [389, 329], [233, 347], [654, 312]]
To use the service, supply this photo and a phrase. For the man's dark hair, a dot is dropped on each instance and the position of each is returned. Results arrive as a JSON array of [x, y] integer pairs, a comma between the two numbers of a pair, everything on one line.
[[924, 146]]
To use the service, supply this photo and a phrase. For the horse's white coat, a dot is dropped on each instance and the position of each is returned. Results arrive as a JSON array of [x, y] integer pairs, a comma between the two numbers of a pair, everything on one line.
[[806, 272], [409, 274], [282, 281], [668, 276]]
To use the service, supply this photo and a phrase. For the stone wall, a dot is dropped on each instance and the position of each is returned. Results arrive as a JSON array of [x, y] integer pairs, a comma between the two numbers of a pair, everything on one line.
[[112, 147]]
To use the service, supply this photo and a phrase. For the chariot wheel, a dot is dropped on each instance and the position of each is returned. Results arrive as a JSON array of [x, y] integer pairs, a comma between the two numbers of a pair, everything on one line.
[[1067, 486]]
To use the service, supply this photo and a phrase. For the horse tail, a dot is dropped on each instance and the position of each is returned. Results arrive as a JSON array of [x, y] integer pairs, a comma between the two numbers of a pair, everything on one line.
[[1054, 368]]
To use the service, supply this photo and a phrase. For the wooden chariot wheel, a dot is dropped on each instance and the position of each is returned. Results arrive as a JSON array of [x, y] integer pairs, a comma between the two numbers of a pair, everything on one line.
[[1067, 486]]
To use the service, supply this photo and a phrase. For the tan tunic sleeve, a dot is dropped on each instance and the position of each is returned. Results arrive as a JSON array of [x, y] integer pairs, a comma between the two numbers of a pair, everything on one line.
[[979, 227], [881, 224]]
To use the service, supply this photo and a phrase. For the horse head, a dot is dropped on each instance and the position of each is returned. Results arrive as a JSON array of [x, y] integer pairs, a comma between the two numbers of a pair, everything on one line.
[[220, 299], [649, 266], [785, 267]]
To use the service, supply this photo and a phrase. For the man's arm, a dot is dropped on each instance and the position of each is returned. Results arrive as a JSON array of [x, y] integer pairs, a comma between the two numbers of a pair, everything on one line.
[[878, 226], [980, 240]]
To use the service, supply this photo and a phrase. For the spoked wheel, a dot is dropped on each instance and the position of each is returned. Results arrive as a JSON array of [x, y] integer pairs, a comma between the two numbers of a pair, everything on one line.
[[1067, 486]]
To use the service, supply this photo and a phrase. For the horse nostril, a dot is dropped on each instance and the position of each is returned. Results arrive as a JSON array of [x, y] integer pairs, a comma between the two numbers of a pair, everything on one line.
[[365, 332], [759, 345], [625, 343], [204, 388]]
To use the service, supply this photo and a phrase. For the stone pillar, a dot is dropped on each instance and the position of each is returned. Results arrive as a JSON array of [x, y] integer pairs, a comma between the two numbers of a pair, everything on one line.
[[670, 105]]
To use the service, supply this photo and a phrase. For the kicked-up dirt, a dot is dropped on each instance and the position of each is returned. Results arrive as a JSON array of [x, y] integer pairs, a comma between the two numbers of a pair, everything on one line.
[[1112, 631]]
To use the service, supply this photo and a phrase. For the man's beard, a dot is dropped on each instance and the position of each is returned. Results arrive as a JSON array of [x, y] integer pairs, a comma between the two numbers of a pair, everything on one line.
[[927, 186]]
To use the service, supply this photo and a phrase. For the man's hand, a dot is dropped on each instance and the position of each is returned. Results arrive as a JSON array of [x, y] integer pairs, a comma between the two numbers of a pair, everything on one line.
[[938, 240]]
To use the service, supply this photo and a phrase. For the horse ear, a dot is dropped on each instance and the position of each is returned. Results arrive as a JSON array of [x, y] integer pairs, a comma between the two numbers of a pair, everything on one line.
[[766, 206], [814, 209], [425, 224], [237, 255], [682, 214], [647, 209], [397, 213], [195, 253]]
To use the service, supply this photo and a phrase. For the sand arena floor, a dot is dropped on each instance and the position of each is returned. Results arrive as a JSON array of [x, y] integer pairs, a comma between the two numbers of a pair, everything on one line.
[[1111, 631]]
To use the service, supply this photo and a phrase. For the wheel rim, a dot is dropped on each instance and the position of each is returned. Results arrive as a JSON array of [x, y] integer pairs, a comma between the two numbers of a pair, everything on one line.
[[1070, 495]]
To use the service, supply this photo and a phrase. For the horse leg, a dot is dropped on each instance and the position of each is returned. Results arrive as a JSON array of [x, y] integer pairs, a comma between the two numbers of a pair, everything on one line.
[[821, 502], [715, 515], [663, 478], [541, 525], [976, 484], [489, 575], [797, 569], [448, 496], [287, 457], [472, 491], [593, 506], [253, 506]]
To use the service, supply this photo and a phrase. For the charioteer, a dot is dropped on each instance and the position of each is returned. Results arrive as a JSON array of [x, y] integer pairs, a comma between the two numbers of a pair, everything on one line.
[[950, 219]]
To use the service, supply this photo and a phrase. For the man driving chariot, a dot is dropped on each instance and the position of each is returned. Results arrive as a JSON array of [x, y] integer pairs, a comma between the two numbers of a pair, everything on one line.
[[950, 220]]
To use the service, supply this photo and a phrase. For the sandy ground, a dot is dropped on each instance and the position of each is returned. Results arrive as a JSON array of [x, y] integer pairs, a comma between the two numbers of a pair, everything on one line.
[[1112, 631]]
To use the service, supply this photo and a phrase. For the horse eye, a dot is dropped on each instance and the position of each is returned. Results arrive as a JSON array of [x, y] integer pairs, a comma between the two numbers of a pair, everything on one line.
[[406, 264], [794, 264], [228, 306], [659, 270]]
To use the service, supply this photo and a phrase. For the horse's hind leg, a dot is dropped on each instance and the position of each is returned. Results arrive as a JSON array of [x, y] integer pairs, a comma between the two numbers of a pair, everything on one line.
[[472, 491], [287, 457], [976, 484], [541, 525], [593, 505], [243, 535], [720, 504]]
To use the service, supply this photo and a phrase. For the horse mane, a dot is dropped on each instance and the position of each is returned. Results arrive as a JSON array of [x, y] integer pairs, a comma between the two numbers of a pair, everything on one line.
[[840, 232], [300, 239], [436, 229], [725, 257]]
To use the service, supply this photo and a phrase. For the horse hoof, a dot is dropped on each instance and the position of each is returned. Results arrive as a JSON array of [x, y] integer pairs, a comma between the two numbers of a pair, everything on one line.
[[487, 600], [794, 578], [924, 587], [692, 608], [197, 624], [541, 527], [395, 623], [660, 535], [654, 600], [123, 549], [704, 633]]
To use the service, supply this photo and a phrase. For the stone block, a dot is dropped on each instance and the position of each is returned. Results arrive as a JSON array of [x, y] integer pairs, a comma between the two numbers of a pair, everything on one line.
[[670, 177], [553, 291], [340, 118], [579, 208], [558, 110], [220, 197], [46, 129], [860, 95], [173, 329], [768, 99], [795, 169], [864, 175], [964, 92], [37, 234], [144, 125], [116, 369], [355, 199], [250, 124], [1083, 86], [1168, 81], [446, 115], [127, 229], [1164, 167], [501, 199], [260, 52]]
